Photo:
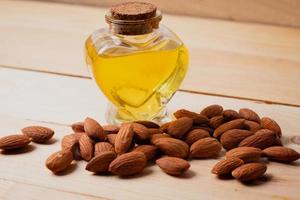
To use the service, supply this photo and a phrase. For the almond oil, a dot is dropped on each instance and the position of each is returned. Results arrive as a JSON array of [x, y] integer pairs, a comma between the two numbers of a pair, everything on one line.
[[137, 64]]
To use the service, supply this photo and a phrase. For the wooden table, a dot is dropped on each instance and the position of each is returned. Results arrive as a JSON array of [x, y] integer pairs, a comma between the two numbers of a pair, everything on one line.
[[43, 80]]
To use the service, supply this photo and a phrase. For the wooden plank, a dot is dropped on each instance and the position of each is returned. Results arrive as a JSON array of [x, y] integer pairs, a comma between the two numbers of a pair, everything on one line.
[[280, 12], [225, 57], [10, 190], [44, 99]]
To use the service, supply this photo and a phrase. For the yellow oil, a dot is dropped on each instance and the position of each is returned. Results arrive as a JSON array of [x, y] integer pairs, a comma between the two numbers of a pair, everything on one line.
[[139, 84]]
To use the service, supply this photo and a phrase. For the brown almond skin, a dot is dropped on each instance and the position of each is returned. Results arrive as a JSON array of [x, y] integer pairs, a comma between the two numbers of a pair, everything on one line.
[[164, 127], [261, 139], [148, 124], [247, 154], [205, 148], [179, 127], [38, 134], [153, 131], [234, 124], [252, 126], [249, 114], [59, 161], [172, 147], [226, 166], [281, 154], [196, 117], [124, 138], [173, 166], [111, 138], [230, 115], [154, 137], [70, 143], [86, 147], [93, 129], [102, 147], [77, 135], [78, 127], [149, 150], [268, 123], [100, 163], [111, 129], [232, 138], [249, 172], [141, 132], [128, 164], [216, 121], [14, 142], [194, 135], [212, 111]]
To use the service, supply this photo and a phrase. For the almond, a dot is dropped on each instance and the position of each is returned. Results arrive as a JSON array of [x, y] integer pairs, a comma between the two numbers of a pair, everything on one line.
[[148, 124], [141, 132], [249, 114], [78, 127], [153, 131], [102, 147], [38, 134], [249, 172], [252, 126], [234, 124], [164, 127], [205, 148], [196, 117], [261, 139], [205, 128], [59, 161], [226, 166], [14, 142], [172, 147], [232, 138], [194, 135], [77, 135], [281, 154], [148, 150], [216, 121], [111, 138], [212, 111], [124, 138], [179, 127], [86, 147], [268, 123], [111, 129], [173, 166], [128, 164], [69, 143], [154, 137], [93, 129], [100, 163], [247, 154], [230, 115]]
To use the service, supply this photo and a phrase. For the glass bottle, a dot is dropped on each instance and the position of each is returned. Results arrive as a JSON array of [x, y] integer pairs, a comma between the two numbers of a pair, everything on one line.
[[137, 63]]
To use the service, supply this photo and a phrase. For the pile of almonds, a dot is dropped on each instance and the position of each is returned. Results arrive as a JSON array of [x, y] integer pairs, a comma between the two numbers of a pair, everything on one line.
[[126, 149]]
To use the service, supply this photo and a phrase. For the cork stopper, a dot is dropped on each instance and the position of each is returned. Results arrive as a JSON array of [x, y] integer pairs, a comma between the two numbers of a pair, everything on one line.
[[133, 18], [133, 11]]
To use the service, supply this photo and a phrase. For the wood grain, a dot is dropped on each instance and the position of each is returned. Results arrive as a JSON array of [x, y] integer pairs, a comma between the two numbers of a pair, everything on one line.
[[10, 190], [279, 12], [37, 98], [226, 57]]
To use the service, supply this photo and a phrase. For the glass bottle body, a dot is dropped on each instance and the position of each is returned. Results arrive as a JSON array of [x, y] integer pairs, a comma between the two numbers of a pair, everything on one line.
[[138, 74]]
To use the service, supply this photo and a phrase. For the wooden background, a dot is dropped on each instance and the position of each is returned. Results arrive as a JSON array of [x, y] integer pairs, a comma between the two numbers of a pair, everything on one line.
[[44, 81], [276, 12]]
